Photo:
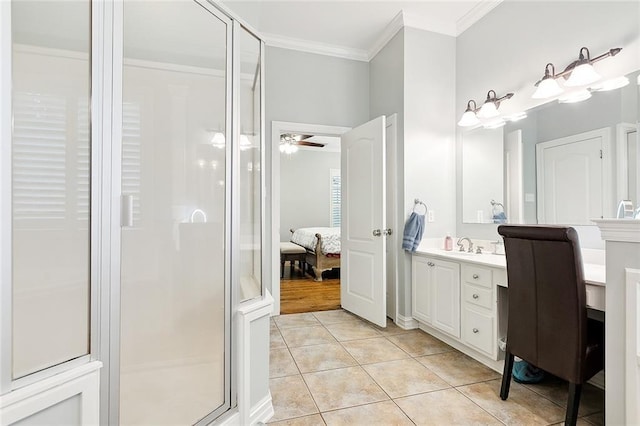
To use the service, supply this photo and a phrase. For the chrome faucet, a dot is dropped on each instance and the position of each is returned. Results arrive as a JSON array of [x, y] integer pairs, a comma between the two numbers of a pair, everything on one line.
[[461, 245]]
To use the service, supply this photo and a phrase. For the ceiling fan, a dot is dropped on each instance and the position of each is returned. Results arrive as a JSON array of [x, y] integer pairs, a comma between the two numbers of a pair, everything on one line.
[[289, 142]]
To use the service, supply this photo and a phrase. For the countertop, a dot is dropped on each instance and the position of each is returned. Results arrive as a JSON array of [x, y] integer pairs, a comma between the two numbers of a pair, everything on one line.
[[594, 274]]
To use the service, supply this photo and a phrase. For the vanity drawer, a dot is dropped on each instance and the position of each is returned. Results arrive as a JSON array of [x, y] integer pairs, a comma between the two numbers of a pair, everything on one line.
[[477, 275], [478, 296], [478, 331]]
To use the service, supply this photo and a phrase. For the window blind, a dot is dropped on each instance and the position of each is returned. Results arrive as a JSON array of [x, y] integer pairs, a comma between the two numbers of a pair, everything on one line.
[[335, 197]]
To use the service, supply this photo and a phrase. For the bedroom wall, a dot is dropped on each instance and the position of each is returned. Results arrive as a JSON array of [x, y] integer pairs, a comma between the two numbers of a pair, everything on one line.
[[304, 186]]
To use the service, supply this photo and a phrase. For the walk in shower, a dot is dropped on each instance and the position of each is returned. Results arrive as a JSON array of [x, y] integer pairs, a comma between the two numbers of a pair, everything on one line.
[[136, 178]]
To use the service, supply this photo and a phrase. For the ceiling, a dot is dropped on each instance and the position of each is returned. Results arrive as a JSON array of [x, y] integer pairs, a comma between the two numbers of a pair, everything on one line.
[[355, 29]]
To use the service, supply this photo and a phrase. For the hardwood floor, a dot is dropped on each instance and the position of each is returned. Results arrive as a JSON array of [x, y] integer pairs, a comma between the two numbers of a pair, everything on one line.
[[302, 294]]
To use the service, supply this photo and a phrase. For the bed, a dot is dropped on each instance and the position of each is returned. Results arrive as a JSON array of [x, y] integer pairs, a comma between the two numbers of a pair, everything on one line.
[[322, 246]]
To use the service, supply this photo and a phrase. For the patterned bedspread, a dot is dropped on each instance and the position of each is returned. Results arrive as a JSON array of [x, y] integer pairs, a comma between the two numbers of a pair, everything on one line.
[[306, 237]]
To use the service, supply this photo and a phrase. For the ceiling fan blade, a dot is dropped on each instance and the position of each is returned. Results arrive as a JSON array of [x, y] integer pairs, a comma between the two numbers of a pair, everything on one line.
[[314, 144]]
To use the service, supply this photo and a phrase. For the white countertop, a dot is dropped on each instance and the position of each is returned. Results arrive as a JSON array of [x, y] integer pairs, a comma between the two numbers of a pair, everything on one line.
[[594, 274]]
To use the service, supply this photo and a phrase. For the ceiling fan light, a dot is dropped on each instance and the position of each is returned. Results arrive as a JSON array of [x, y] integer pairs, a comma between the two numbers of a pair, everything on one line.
[[547, 88], [611, 84], [469, 118], [582, 75], [574, 97]]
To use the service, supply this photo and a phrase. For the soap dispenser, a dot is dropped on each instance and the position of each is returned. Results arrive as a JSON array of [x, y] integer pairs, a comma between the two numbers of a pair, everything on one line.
[[448, 242]]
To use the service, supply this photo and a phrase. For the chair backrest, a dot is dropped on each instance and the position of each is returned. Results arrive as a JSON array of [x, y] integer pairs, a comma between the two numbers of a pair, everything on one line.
[[547, 300]]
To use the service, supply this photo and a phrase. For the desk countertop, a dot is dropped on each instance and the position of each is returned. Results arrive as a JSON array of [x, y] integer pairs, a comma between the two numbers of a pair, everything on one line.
[[594, 274]]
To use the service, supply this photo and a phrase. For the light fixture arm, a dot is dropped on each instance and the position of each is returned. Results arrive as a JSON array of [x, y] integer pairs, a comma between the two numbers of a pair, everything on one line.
[[581, 59]]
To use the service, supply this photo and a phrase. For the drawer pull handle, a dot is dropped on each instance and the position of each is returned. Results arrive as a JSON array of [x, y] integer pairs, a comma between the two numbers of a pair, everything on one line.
[[430, 263], [476, 276], [475, 296], [475, 330]]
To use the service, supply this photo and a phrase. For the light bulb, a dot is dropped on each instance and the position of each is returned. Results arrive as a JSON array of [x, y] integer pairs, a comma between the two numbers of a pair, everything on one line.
[[488, 110], [582, 75], [218, 140], [547, 88], [468, 119]]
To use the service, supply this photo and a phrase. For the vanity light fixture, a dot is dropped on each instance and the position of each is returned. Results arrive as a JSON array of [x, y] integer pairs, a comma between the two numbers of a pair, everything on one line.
[[611, 84], [548, 86], [490, 107], [582, 72], [575, 96], [469, 117], [578, 73]]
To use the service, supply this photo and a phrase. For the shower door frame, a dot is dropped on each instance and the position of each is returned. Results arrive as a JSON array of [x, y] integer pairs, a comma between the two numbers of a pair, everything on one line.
[[110, 324]]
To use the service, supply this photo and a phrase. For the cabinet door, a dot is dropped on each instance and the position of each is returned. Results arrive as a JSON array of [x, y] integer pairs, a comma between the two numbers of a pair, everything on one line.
[[446, 297], [421, 268]]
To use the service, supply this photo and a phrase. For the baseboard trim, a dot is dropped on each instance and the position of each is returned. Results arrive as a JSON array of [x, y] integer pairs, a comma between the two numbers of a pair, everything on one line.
[[262, 411], [406, 323]]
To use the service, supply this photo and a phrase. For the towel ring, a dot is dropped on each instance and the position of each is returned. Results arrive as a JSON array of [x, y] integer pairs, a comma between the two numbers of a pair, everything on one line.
[[417, 203]]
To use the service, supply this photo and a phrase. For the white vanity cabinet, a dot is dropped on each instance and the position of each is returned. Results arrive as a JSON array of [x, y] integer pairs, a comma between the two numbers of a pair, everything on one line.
[[479, 307], [435, 290], [457, 301]]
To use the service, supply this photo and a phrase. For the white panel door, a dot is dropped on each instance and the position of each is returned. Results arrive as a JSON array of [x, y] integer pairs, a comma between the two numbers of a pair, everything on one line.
[[363, 275], [570, 179]]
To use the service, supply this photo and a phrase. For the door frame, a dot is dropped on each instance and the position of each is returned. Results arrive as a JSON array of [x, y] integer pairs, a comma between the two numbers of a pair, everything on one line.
[[607, 175], [277, 128]]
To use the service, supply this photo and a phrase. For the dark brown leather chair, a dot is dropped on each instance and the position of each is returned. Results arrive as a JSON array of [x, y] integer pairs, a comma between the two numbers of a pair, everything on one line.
[[548, 325]]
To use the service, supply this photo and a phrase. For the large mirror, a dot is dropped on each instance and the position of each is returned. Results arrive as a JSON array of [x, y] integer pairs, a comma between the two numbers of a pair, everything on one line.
[[565, 163]]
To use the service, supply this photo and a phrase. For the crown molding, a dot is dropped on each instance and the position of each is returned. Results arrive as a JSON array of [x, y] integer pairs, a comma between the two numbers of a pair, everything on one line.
[[301, 45], [397, 23], [475, 14], [387, 34]]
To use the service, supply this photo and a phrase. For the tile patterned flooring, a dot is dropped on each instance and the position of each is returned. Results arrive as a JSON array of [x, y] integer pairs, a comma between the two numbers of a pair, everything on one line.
[[332, 368]]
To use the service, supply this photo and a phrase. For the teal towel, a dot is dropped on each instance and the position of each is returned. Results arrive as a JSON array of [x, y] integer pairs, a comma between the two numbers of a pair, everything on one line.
[[413, 230]]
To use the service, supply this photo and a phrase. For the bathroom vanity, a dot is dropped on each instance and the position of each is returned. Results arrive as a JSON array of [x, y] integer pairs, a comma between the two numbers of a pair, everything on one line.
[[461, 298]]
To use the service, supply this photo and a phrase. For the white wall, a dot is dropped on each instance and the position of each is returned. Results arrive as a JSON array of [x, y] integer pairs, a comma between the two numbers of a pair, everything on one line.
[[413, 76], [508, 48], [305, 189], [387, 97]]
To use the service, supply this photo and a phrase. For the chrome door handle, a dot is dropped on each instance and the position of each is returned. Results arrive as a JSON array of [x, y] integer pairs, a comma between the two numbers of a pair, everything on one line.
[[475, 330], [377, 232], [476, 276], [475, 296], [387, 231], [431, 264]]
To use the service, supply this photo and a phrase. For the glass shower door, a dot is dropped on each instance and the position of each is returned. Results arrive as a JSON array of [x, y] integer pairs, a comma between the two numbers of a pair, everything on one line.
[[174, 337]]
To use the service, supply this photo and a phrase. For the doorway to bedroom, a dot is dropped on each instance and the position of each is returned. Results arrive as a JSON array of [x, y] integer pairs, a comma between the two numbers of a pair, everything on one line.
[[310, 199], [306, 200]]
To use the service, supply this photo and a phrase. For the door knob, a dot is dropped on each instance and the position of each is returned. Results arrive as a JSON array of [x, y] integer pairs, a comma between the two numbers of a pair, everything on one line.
[[387, 231], [377, 232]]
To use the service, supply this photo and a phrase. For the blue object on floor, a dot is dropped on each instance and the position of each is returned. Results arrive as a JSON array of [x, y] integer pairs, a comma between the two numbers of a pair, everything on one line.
[[523, 372]]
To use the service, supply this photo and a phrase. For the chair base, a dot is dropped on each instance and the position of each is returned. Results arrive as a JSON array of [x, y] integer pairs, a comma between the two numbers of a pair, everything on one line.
[[573, 401]]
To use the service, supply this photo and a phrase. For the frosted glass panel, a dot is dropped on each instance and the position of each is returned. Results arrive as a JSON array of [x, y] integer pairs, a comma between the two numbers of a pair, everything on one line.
[[250, 193], [50, 183], [173, 256]]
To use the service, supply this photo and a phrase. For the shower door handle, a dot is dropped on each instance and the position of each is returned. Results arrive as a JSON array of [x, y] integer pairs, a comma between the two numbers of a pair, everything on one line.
[[126, 211]]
